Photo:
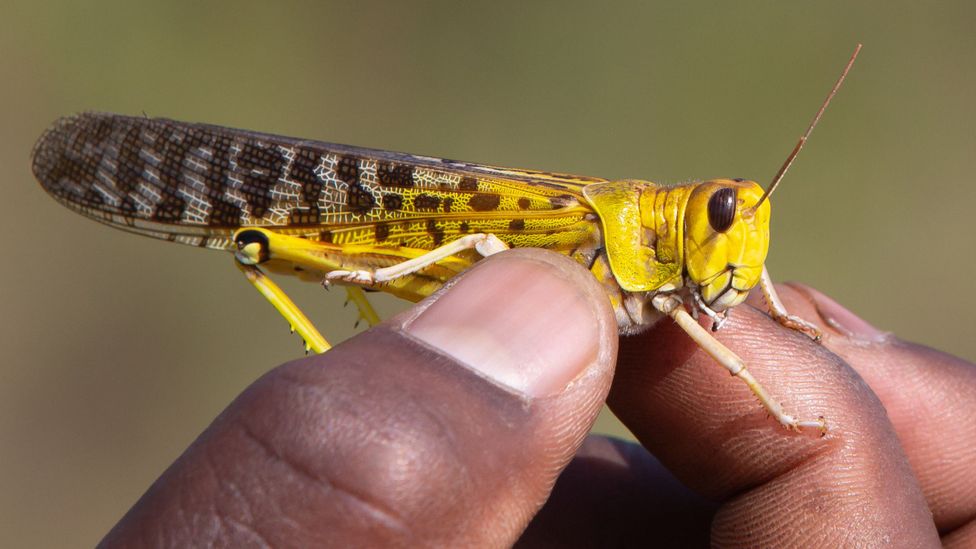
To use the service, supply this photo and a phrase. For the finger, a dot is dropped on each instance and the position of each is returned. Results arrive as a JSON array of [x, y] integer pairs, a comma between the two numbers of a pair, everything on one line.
[[776, 488], [930, 398], [446, 426], [615, 490]]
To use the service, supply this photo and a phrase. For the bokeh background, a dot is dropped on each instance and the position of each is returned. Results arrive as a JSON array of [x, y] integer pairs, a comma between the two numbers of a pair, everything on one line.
[[118, 350]]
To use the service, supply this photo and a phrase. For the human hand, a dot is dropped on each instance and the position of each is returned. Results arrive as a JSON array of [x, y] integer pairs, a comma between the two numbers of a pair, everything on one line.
[[391, 439], [895, 470]]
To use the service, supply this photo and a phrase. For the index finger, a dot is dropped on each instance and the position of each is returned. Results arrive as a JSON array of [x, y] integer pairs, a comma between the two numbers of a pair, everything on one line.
[[775, 488], [930, 397]]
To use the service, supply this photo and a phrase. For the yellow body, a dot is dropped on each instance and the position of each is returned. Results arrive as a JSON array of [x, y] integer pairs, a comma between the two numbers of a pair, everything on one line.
[[642, 240], [320, 207]]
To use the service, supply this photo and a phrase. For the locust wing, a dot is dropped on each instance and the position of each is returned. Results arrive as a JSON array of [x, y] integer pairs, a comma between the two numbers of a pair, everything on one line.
[[197, 184]]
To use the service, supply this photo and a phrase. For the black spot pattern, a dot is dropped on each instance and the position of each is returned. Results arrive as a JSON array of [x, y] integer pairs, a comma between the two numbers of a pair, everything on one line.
[[484, 202], [137, 167], [128, 206], [260, 166], [304, 216], [100, 131], [359, 200], [347, 170], [303, 172], [174, 152], [426, 202], [224, 213], [170, 209], [435, 232], [394, 175], [130, 166], [468, 184], [560, 201], [392, 201]]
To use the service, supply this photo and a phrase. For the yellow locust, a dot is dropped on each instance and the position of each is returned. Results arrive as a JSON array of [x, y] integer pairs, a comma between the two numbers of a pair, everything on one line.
[[405, 224]]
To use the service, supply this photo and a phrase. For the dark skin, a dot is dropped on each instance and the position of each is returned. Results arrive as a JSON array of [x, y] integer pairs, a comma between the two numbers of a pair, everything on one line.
[[449, 424]]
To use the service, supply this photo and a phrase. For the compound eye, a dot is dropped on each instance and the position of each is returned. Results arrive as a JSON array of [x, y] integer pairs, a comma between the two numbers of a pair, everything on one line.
[[721, 209]]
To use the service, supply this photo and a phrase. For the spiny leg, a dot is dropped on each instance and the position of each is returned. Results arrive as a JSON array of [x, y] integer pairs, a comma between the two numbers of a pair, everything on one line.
[[778, 311], [485, 244], [257, 245], [673, 307], [357, 296], [277, 297]]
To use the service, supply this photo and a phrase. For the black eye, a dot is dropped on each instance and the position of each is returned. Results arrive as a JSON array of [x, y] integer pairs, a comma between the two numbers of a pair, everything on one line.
[[721, 209]]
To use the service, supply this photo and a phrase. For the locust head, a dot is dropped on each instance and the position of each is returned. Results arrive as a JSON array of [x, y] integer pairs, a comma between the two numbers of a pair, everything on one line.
[[726, 240]]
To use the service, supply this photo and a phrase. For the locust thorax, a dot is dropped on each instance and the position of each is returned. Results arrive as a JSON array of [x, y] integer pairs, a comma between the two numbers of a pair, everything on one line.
[[726, 240]]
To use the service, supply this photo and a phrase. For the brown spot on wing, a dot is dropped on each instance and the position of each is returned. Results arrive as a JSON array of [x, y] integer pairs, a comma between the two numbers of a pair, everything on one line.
[[359, 200], [436, 232], [392, 201], [395, 175], [130, 165], [304, 216], [303, 171], [347, 170], [426, 202], [169, 209], [260, 166], [224, 213], [468, 184], [174, 153], [100, 131], [127, 207], [484, 202], [561, 201]]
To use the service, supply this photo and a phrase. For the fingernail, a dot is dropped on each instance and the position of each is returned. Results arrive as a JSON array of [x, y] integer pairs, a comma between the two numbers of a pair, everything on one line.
[[839, 318], [521, 322]]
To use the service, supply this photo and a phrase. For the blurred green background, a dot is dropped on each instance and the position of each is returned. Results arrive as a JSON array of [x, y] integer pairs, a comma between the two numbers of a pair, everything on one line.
[[118, 350]]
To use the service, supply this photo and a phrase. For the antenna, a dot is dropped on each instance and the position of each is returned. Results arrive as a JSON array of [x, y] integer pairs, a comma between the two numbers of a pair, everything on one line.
[[806, 135]]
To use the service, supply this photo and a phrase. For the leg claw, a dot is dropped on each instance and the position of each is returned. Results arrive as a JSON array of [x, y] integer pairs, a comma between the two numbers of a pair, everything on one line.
[[794, 322]]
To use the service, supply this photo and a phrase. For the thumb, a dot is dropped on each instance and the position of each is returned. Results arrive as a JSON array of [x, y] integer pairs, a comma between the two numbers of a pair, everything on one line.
[[446, 426]]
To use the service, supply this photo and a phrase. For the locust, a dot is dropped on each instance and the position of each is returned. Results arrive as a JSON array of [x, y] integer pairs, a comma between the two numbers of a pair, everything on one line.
[[404, 224]]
